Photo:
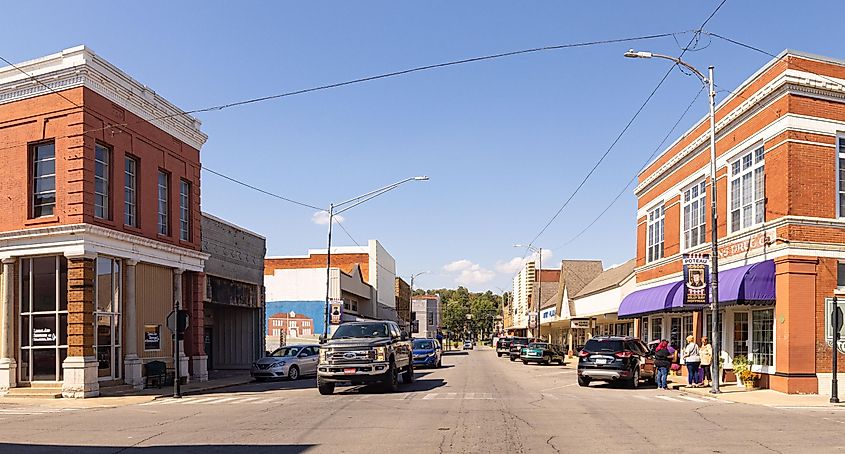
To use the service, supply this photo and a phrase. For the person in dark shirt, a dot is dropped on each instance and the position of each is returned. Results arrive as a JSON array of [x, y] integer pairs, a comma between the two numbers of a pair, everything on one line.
[[662, 361]]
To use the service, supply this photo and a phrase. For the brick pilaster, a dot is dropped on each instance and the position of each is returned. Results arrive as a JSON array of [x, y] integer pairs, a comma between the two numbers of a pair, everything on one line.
[[194, 301], [80, 306]]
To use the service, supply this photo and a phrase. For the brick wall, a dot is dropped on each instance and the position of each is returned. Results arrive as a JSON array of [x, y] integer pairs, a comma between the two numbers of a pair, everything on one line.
[[346, 263]]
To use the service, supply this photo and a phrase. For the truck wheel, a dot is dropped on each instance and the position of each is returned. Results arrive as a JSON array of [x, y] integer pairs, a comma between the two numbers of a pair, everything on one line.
[[583, 381], [390, 382], [408, 375], [512, 358], [499, 354], [325, 388]]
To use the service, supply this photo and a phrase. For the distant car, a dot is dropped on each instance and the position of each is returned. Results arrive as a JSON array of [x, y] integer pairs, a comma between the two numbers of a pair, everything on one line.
[[516, 345], [541, 353], [427, 353], [292, 361], [615, 359], [503, 346], [467, 345]]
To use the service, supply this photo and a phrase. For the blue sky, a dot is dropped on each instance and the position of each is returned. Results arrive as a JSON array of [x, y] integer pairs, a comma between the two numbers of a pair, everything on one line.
[[505, 141]]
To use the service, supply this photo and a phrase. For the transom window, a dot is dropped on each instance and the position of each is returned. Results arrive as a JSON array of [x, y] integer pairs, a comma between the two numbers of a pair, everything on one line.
[[694, 215], [654, 246], [101, 181], [748, 190], [163, 203], [130, 192], [43, 158]]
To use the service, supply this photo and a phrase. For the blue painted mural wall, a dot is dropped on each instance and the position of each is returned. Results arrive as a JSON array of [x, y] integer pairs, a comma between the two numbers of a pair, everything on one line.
[[313, 309]]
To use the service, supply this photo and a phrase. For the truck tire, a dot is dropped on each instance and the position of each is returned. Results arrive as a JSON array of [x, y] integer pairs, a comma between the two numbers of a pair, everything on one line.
[[513, 358], [583, 381], [325, 388], [499, 354], [390, 382], [408, 375]]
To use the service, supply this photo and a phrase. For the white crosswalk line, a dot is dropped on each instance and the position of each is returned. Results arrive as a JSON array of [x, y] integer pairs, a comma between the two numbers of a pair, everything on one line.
[[691, 399], [196, 401], [247, 400], [642, 397], [666, 398], [219, 400]]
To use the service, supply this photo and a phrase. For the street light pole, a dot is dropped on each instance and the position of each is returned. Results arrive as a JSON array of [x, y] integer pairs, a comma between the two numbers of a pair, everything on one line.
[[411, 302], [714, 229], [348, 205]]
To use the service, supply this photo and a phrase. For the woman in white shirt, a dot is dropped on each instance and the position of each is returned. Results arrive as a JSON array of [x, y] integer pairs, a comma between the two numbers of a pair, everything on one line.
[[692, 359]]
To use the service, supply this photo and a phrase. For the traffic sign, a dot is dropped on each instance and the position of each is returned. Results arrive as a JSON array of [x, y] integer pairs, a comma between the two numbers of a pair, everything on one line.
[[178, 321], [837, 317]]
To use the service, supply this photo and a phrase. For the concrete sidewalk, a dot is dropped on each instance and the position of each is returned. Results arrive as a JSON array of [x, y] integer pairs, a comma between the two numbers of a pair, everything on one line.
[[766, 397], [216, 380]]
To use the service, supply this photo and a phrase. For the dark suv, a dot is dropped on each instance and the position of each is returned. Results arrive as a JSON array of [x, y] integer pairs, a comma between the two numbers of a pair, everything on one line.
[[503, 346], [516, 346], [615, 359]]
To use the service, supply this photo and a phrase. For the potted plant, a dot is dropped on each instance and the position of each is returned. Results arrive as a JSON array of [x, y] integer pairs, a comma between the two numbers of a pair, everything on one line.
[[741, 368], [749, 378]]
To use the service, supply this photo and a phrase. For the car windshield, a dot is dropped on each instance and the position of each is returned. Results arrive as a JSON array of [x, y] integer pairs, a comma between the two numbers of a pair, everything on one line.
[[538, 345], [423, 345], [603, 345], [361, 330], [519, 341], [285, 352]]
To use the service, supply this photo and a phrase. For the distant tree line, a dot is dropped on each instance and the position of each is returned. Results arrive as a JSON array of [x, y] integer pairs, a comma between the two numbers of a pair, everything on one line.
[[482, 309]]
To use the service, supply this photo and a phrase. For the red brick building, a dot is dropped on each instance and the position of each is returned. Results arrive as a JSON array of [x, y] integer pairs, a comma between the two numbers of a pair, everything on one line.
[[101, 225], [291, 324], [780, 146]]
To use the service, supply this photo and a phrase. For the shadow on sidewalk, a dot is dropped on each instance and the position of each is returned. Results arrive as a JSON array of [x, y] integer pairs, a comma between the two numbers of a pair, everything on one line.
[[180, 449]]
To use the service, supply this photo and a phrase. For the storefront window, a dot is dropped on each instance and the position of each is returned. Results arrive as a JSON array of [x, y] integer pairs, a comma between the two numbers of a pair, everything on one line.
[[43, 318], [107, 317], [644, 330], [657, 328], [687, 328], [740, 342], [675, 334], [762, 337]]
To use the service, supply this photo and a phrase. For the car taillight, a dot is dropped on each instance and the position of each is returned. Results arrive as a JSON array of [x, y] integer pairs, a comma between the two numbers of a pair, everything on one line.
[[623, 354], [583, 353]]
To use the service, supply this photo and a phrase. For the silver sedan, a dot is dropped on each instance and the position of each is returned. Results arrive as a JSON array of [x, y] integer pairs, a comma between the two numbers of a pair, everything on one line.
[[292, 361]]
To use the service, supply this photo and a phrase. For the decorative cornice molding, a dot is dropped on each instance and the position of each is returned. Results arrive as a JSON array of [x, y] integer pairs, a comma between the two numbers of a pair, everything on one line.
[[790, 81], [81, 67]]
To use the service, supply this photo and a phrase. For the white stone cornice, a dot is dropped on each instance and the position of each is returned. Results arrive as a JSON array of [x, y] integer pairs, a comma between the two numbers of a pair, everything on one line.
[[86, 240], [81, 67], [792, 81]]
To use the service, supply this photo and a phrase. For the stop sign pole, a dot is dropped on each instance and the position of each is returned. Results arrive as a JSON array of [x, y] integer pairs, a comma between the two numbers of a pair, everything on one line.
[[836, 322]]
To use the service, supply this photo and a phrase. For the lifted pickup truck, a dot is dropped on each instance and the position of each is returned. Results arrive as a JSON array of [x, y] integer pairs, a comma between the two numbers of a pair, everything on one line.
[[365, 352]]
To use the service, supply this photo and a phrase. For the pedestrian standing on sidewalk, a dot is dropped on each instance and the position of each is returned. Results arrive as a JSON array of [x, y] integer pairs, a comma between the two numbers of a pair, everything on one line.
[[662, 361], [692, 358], [706, 353]]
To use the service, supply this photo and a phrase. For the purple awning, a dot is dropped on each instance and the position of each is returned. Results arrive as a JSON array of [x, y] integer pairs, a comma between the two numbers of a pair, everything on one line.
[[749, 284], [655, 299]]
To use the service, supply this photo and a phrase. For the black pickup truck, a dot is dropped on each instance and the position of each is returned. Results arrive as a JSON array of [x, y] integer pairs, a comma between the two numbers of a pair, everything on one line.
[[365, 352]]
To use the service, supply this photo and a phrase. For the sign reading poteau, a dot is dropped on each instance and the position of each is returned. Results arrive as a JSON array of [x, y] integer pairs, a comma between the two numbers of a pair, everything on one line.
[[696, 278]]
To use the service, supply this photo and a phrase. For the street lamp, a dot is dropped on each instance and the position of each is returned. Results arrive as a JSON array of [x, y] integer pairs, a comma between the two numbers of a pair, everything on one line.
[[346, 206], [714, 297], [413, 276], [539, 252]]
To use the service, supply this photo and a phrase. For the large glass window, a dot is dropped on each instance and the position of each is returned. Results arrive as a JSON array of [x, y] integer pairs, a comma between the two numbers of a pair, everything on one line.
[[748, 190], [43, 159], [644, 329], [694, 215], [654, 246], [184, 210], [107, 296], [102, 156], [163, 203], [762, 337], [657, 328], [675, 338], [43, 318], [740, 342], [840, 180], [130, 192]]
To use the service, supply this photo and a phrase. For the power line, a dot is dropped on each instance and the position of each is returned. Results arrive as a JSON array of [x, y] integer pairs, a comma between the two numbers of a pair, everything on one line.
[[625, 129], [255, 188], [363, 79], [39, 81], [631, 181]]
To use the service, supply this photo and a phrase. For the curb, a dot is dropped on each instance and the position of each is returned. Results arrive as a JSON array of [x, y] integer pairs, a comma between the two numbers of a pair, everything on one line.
[[205, 388]]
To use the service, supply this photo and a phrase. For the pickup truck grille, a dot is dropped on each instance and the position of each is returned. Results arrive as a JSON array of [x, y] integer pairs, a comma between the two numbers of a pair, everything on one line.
[[350, 357]]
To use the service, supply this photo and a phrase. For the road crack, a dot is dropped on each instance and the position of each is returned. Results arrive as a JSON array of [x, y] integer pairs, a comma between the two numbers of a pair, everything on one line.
[[549, 442]]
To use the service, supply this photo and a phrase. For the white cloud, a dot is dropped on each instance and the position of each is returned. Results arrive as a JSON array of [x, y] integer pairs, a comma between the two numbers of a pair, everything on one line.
[[515, 264], [322, 218], [468, 273]]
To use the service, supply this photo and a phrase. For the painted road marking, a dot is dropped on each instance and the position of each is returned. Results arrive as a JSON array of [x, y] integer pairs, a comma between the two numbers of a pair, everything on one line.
[[457, 396], [692, 399]]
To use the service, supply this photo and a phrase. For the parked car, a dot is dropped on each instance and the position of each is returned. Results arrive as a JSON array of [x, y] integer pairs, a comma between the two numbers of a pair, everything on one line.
[[467, 345], [365, 352], [427, 353], [615, 359], [503, 346], [516, 347], [541, 353], [292, 361]]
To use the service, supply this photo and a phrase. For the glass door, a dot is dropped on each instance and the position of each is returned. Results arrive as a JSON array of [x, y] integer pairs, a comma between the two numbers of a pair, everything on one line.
[[740, 334], [107, 318], [43, 318]]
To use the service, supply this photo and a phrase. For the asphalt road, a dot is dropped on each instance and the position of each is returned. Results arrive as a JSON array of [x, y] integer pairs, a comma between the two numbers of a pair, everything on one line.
[[476, 403]]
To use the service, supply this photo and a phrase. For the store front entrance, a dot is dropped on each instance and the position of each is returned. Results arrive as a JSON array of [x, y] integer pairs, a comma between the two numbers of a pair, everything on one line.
[[107, 328], [43, 318]]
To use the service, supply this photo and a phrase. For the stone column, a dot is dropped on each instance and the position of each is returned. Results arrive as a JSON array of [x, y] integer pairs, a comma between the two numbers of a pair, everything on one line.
[[8, 367], [131, 363], [80, 366], [178, 297], [199, 358]]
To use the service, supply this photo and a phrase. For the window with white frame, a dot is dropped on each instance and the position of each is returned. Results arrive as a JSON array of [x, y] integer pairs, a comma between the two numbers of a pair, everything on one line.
[[43, 159], [654, 245], [748, 190], [694, 202], [130, 191], [163, 203], [101, 181], [184, 210], [762, 337], [840, 178]]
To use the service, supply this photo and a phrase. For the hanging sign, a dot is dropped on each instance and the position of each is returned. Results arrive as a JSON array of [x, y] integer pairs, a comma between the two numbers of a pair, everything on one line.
[[580, 324], [532, 320], [335, 311], [696, 278]]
